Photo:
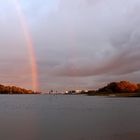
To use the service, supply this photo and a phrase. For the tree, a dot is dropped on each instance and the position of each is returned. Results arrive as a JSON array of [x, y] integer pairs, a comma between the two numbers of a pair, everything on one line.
[[120, 87], [14, 90]]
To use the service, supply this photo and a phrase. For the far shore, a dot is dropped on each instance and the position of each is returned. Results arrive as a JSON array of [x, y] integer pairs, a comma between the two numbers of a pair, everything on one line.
[[116, 94]]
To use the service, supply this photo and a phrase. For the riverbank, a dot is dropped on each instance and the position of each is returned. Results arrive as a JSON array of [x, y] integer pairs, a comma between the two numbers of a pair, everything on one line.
[[116, 94]]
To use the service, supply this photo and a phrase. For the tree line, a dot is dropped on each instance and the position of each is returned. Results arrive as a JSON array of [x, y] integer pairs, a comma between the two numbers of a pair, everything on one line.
[[121, 87], [14, 90]]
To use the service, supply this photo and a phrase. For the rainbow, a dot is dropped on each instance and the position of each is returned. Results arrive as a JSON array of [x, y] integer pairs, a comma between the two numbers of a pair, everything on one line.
[[29, 42]]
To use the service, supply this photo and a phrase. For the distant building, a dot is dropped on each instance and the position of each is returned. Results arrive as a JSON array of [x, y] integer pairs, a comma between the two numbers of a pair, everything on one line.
[[78, 91], [71, 92]]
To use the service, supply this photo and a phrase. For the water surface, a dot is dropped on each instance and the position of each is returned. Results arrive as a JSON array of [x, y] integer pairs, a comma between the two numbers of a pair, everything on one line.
[[41, 117]]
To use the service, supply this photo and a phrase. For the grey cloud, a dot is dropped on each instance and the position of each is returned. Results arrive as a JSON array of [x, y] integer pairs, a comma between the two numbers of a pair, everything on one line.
[[92, 38], [78, 40]]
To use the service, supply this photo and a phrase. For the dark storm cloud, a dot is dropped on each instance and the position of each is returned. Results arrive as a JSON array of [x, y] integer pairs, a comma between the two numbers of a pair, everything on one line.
[[78, 43], [92, 39]]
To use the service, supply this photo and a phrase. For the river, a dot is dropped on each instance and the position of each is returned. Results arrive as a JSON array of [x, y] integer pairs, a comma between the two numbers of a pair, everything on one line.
[[63, 117]]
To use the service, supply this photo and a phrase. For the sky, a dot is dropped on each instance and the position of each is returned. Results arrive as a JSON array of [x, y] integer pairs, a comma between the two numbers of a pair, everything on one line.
[[78, 44]]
